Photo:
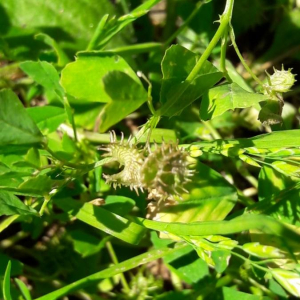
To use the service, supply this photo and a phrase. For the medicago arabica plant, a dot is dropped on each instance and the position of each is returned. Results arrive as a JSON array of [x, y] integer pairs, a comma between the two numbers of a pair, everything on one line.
[[165, 169]]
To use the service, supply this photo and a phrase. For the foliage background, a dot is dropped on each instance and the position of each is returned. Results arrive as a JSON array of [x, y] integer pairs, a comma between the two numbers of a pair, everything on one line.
[[48, 252]]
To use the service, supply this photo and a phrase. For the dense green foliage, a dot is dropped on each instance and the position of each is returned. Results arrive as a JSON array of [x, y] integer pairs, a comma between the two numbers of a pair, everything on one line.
[[201, 202]]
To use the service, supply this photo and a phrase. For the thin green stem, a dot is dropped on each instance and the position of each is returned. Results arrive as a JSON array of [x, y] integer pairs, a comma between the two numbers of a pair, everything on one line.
[[250, 262], [44, 205], [224, 21], [184, 25], [114, 259], [223, 56], [149, 102], [232, 37]]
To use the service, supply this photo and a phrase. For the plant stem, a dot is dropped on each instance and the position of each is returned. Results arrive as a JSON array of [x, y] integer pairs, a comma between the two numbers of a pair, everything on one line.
[[223, 56], [249, 261], [114, 259], [224, 21], [232, 37], [184, 25], [44, 205]]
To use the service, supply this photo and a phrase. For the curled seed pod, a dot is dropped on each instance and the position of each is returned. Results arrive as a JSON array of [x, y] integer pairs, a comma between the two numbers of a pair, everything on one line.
[[165, 172], [130, 158], [281, 80]]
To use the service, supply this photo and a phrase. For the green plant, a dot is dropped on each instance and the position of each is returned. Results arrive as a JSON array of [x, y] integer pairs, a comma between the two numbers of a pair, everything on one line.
[[203, 195]]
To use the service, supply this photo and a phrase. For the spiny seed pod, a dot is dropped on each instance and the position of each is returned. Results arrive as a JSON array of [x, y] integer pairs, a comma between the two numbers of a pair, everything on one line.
[[281, 81], [129, 157], [165, 172]]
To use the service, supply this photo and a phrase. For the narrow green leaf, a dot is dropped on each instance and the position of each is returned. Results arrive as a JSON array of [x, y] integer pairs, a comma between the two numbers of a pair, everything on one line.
[[104, 220], [12, 205], [262, 223], [116, 269], [225, 97], [277, 139], [232, 294], [35, 186], [113, 27], [24, 289], [6, 283], [16, 126]]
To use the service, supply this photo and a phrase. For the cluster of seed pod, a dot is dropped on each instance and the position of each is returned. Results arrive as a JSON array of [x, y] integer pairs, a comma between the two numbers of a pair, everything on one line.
[[163, 171]]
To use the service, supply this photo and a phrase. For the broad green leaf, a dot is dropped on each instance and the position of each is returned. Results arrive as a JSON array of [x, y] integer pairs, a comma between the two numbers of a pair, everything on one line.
[[278, 195], [232, 294], [35, 186], [16, 126], [116, 269], [11, 205], [62, 58], [176, 92], [270, 113], [6, 283], [24, 289], [104, 220], [210, 197], [47, 118], [187, 265], [64, 20], [129, 96], [82, 79], [227, 97], [44, 74]]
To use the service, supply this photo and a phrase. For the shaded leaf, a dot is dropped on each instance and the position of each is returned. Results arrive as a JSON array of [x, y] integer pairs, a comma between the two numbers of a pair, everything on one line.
[[16, 126], [176, 92], [129, 96], [82, 79], [11, 205], [102, 219], [47, 118]]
